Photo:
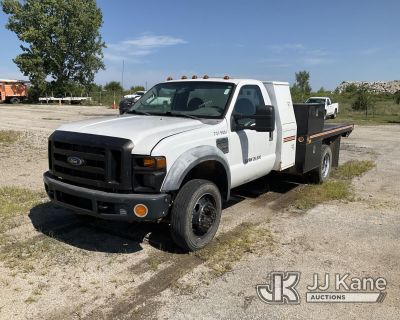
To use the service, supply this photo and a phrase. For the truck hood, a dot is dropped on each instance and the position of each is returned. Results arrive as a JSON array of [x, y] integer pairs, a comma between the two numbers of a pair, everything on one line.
[[144, 131]]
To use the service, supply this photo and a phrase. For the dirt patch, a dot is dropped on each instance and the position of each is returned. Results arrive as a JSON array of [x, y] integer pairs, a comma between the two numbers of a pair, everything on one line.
[[221, 255]]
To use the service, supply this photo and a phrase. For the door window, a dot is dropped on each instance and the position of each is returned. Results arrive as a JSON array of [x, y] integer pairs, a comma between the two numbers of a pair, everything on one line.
[[249, 98]]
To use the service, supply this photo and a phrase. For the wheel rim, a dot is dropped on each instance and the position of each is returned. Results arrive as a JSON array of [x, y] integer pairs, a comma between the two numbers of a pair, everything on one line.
[[204, 214], [326, 165]]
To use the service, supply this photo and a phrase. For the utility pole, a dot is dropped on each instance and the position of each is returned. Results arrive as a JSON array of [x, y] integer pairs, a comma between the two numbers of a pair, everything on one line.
[[122, 78]]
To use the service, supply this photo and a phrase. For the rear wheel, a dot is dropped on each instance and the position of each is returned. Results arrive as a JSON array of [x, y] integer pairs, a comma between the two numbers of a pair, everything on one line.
[[322, 173], [196, 214], [334, 114], [15, 100]]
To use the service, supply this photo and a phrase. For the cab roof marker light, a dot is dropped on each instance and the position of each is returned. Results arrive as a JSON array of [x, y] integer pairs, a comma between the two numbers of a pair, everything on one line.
[[169, 79], [205, 76], [194, 77], [226, 77], [183, 77]]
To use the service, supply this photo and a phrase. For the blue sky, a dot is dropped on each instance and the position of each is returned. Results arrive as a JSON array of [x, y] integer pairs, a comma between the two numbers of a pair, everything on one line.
[[268, 40]]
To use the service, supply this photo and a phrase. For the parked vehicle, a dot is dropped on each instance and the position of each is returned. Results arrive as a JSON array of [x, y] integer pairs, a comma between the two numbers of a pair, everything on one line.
[[177, 153], [13, 91], [136, 95], [125, 104], [331, 109], [129, 100]]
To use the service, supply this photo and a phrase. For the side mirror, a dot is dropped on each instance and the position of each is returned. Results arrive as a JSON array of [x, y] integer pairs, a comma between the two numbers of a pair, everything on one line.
[[265, 119]]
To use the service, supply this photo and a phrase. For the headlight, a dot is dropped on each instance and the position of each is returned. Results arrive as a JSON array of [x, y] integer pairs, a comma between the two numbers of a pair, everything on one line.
[[148, 173]]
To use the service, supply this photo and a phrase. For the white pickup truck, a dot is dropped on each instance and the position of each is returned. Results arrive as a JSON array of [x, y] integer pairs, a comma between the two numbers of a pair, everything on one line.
[[135, 96], [177, 153], [331, 109]]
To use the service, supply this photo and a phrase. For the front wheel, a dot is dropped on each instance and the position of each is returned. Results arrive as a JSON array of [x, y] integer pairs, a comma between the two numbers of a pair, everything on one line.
[[15, 100], [196, 214], [322, 172]]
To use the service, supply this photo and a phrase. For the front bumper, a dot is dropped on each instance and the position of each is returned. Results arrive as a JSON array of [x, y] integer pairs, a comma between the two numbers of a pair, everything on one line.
[[112, 206]]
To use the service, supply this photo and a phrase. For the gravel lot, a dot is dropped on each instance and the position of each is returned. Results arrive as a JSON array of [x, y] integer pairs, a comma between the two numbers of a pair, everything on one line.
[[66, 268]]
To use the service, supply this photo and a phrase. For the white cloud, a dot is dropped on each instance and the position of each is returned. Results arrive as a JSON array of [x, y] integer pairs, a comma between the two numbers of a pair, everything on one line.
[[370, 51], [314, 61], [135, 50], [279, 48], [153, 41]]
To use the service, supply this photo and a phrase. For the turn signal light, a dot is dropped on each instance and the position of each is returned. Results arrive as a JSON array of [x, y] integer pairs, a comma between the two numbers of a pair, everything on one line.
[[155, 162], [140, 210]]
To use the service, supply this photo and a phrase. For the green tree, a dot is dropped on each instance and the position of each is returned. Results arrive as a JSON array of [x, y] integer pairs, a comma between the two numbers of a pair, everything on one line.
[[363, 101], [301, 88], [397, 97], [113, 86], [60, 41], [137, 88], [321, 90], [303, 82], [351, 88], [93, 87]]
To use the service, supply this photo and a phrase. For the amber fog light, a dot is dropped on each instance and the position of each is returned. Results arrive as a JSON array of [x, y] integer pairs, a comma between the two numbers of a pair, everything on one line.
[[140, 210]]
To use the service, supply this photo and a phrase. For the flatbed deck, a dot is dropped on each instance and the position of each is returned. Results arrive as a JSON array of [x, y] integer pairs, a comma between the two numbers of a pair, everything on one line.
[[330, 130]]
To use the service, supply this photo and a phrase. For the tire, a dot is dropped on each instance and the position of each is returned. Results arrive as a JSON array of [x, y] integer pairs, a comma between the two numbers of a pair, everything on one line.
[[15, 100], [334, 114], [196, 200], [321, 174]]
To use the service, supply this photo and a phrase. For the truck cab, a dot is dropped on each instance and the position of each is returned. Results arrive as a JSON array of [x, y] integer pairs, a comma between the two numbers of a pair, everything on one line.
[[179, 150]]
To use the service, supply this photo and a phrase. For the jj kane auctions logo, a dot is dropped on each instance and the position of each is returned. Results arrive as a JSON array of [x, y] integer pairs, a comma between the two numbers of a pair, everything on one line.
[[339, 288]]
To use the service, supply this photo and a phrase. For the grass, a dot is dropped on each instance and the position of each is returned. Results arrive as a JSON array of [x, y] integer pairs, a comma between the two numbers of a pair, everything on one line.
[[352, 169], [360, 119], [221, 255], [30, 254], [38, 254], [15, 201], [385, 111], [312, 195], [9, 136], [338, 188]]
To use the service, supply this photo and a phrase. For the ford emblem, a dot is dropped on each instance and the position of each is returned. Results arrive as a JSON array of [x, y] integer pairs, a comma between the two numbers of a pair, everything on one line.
[[75, 161]]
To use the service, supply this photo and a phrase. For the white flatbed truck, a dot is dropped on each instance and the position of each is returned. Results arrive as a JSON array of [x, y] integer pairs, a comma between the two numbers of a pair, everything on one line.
[[177, 153]]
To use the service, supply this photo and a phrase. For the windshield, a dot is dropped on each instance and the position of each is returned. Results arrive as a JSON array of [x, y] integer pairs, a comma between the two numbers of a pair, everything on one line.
[[202, 99], [313, 100]]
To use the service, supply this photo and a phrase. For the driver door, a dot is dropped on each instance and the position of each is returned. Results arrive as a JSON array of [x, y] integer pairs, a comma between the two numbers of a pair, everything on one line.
[[253, 153]]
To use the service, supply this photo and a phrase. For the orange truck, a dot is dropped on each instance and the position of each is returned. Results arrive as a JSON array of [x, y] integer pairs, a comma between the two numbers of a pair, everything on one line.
[[13, 91]]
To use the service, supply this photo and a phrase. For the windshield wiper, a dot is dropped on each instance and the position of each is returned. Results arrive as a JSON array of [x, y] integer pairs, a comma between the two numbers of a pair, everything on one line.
[[181, 114], [139, 112]]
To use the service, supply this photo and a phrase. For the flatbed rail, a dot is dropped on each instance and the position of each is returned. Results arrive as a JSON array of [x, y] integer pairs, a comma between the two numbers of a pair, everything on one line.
[[331, 130]]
